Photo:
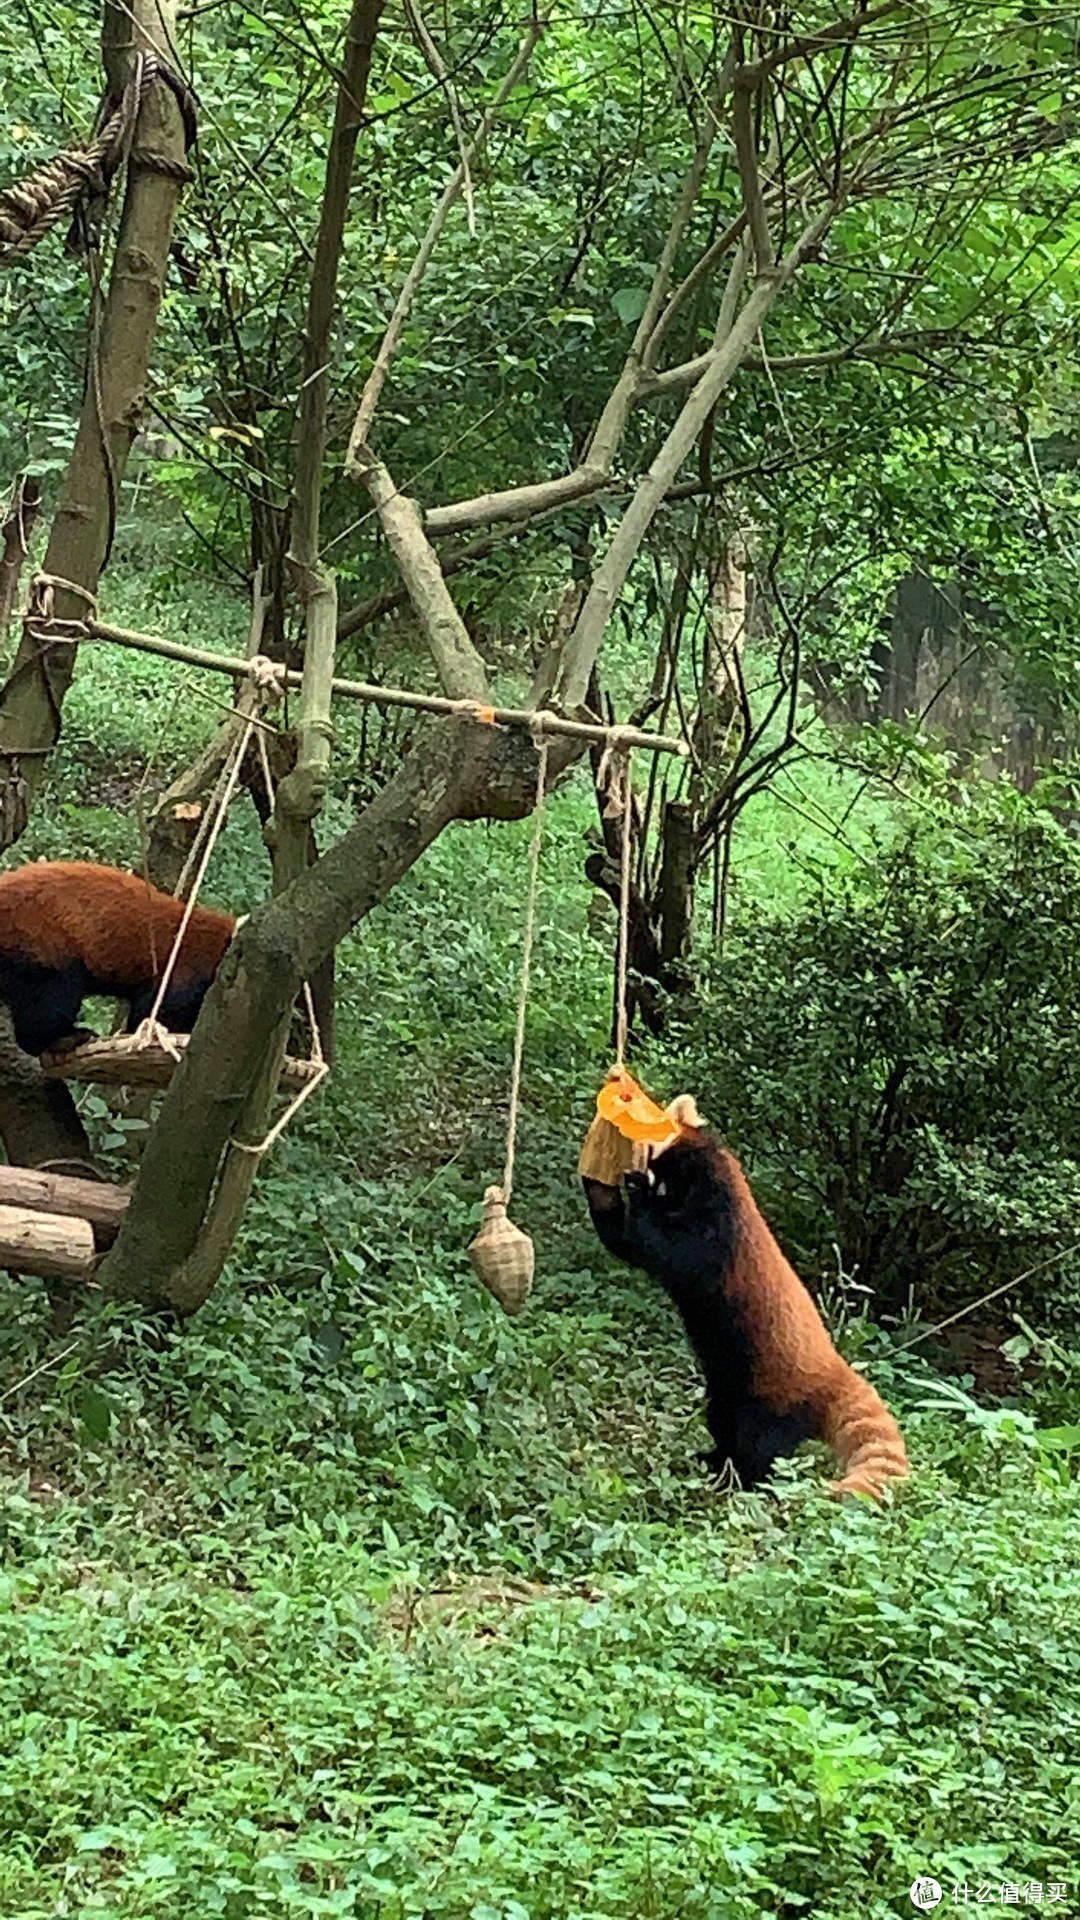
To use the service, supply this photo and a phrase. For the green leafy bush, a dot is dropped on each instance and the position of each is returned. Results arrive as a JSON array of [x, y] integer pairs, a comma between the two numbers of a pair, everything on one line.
[[900, 1060]]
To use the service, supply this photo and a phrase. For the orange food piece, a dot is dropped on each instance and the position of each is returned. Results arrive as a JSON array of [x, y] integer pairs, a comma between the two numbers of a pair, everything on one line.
[[630, 1111]]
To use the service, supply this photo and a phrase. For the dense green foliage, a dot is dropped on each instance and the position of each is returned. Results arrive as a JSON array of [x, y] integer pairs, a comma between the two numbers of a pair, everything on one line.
[[520, 329], [900, 1059], [360, 1599]]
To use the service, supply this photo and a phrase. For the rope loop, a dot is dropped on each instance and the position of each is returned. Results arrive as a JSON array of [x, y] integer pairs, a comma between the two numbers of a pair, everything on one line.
[[620, 740], [43, 588]]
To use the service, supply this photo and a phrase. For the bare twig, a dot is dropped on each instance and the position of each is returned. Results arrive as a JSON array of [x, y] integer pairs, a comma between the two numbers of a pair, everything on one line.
[[366, 691], [355, 463], [746, 153], [584, 643], [442, 74]]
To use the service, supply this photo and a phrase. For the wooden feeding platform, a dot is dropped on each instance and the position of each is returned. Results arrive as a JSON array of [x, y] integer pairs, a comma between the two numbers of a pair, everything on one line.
[[123, 1060], [54, 1225]]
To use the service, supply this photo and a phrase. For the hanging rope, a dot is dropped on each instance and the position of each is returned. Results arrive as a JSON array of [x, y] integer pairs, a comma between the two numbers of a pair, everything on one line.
[[266, 677], [31, 208], [622, 965], [503, 1256], [317, 1058], [618, 742], [322, 1069], [541, 743]]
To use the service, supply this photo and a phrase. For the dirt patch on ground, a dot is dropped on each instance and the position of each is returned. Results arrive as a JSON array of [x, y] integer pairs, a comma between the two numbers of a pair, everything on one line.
[[974, 1347], [477, 1608]]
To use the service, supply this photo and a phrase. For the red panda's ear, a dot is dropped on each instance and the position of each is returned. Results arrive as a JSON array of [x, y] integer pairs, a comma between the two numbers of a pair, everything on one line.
[[683, 1110]]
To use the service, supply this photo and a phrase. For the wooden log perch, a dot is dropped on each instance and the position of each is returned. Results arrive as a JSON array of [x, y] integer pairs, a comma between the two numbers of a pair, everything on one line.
[[122, 1061], [52, 1246], [98, 1202]]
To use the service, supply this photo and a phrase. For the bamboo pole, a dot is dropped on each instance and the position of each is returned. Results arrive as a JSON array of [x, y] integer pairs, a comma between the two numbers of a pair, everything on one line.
[[238, 668]]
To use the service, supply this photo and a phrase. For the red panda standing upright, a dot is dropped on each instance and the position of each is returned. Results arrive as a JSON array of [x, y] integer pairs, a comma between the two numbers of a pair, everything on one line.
[[69, 929], [772, 1375]]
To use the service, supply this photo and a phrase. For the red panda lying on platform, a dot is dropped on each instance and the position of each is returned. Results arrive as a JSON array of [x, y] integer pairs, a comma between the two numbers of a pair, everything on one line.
[[772, 1375], [69, 929]]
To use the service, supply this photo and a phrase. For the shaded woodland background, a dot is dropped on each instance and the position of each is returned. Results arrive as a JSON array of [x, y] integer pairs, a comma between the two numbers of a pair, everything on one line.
[[352, 1596]]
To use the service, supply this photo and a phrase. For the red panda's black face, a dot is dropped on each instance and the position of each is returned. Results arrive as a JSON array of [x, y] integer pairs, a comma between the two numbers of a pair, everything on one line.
[[682, 1179]]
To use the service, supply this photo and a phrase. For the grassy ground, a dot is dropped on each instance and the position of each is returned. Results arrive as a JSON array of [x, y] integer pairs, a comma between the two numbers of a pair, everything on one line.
[[360, 1599]]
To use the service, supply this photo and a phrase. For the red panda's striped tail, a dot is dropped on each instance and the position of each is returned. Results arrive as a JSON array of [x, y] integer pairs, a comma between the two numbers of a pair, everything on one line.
[[864, 1436]]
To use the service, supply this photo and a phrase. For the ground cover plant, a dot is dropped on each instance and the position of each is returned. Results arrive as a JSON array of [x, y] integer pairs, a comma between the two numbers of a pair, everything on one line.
[[359, 1598], [709, 367]]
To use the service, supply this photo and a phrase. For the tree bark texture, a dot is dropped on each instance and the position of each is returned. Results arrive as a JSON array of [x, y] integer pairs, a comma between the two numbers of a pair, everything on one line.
[[32, 699], [15, 536], [462, 771]]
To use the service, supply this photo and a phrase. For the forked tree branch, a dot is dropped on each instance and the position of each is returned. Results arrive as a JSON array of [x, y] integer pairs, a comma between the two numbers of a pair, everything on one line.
[[805, 45], [584, 643], [609, 430], [461, 671]]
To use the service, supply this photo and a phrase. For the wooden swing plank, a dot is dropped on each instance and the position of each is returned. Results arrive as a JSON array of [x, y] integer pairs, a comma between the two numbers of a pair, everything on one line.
[[122, 1061]]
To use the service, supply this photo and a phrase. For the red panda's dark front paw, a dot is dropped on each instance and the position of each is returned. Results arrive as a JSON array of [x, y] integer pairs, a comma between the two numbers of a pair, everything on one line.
[[79, 1037]]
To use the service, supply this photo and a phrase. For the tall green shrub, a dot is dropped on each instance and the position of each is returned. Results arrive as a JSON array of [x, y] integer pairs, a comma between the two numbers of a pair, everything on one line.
[[900, 1062]]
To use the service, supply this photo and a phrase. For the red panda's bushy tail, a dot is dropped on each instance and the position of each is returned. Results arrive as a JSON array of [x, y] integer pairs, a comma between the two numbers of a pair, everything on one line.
[[863, 1435]]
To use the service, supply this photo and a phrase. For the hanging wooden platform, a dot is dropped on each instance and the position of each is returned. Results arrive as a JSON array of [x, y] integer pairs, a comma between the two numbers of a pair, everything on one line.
[[120, 1061]]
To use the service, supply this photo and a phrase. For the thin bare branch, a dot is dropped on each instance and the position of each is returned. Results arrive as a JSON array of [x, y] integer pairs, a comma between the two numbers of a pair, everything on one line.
[[611, 425], [442, 74], [700, 272], [584, 643], [746, 154], [370, 694], [355, 463], [806, 45], [517, 503]]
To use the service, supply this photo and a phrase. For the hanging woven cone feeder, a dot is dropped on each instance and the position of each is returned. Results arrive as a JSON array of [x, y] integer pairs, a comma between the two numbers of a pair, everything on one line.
[[502, 1255]]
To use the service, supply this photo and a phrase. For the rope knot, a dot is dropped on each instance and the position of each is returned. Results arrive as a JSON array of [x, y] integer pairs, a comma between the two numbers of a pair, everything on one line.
[[266, 676], [621, 739], [43, 589]]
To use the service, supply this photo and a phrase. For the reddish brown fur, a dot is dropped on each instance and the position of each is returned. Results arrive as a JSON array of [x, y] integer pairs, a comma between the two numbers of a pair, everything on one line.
[[120, 927], [685, 1214], [794, 1359]]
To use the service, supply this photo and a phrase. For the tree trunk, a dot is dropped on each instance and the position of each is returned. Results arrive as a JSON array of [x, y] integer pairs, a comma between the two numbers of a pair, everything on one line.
[[678, 867], [462, 771], [32, 700], [15, 536]]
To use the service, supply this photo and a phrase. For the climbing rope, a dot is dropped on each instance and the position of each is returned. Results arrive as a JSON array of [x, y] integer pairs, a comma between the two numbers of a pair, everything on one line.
[[267, 678], [33, 207], [619, 743]]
